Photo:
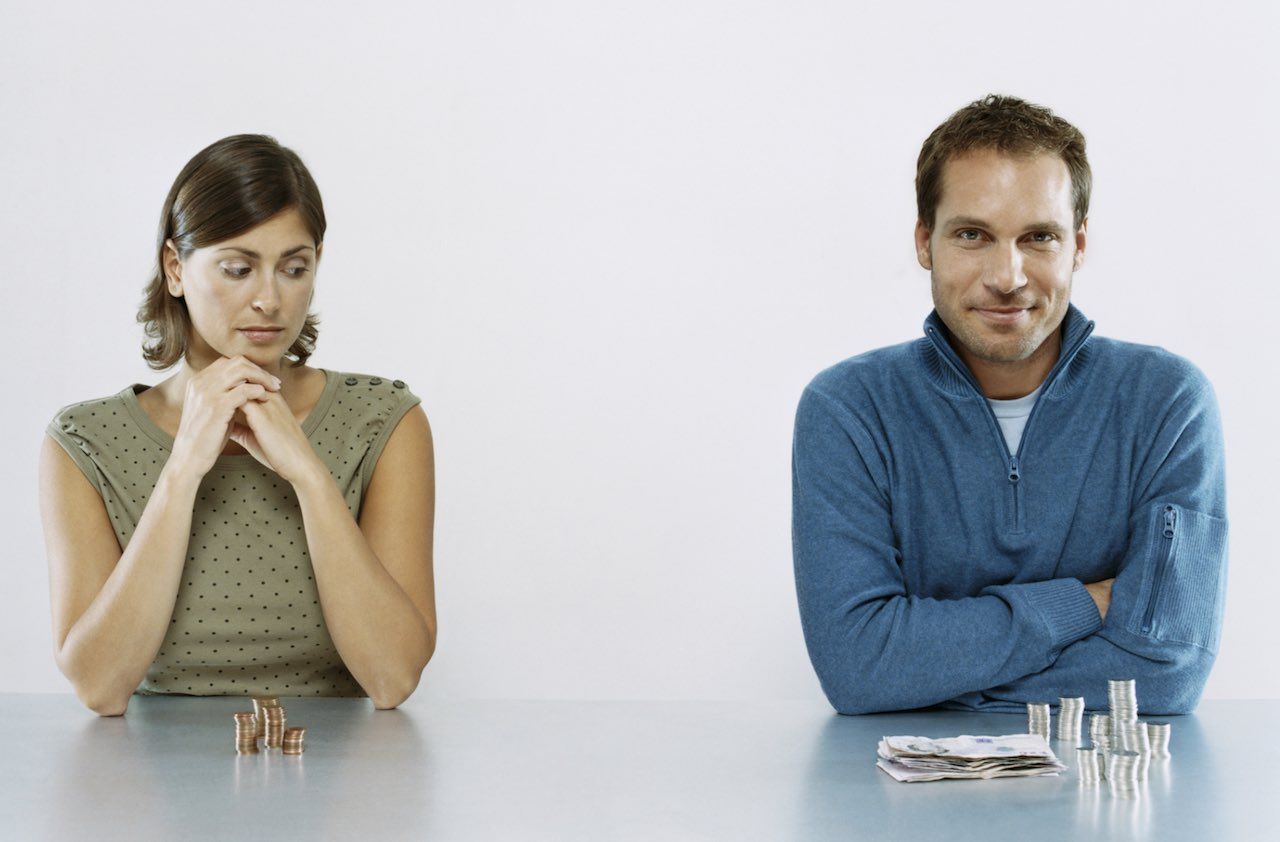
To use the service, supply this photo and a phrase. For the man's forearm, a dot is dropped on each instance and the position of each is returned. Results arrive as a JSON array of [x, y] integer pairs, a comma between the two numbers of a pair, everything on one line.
[[903, 652]]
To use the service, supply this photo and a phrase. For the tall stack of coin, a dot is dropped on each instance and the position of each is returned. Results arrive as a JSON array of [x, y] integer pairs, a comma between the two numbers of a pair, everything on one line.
[[1158, 737], [246, 733], [1122, 773], [1100, 731], [293, 740], [1070, 718], [1123, 695], [1087, 765], [1038, 719], [275, 726], [260, 703]]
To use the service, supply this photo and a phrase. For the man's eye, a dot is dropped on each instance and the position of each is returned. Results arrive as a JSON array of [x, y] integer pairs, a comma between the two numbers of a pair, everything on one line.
[[961, 234], [1050, 237]]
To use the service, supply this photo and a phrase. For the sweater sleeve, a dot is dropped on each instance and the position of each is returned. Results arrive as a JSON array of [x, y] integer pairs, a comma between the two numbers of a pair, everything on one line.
[[874, 646], [1164, 622]]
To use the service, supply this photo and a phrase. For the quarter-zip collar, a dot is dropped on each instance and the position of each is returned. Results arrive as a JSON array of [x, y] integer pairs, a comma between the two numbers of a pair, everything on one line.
[[949, 372]]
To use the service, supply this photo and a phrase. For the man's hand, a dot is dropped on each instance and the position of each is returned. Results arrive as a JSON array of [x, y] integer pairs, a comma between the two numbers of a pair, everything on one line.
[[1101, 593]]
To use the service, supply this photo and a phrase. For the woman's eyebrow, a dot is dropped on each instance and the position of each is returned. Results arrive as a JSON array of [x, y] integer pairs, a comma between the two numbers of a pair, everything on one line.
[[254, 254]]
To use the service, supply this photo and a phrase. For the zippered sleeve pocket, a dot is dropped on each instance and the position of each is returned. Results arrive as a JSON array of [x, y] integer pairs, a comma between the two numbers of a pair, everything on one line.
[[1184, 577]]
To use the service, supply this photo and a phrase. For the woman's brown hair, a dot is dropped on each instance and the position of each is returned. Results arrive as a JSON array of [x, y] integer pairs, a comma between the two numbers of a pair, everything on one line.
[[1010, 125], [230, 186]]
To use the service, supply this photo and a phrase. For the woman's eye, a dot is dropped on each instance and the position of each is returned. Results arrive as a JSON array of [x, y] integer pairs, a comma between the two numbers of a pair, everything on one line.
[[241, 271]]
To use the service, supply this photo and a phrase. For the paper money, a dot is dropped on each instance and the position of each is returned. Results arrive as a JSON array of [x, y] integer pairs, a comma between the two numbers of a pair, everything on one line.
[[911, 759]]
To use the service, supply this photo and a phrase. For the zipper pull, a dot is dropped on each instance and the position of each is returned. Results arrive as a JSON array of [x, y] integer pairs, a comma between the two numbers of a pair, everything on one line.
[[1013, 469], [1170, 517]]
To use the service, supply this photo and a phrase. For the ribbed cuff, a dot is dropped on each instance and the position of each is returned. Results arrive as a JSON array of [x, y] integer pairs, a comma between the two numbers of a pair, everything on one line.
[[1068, 611]]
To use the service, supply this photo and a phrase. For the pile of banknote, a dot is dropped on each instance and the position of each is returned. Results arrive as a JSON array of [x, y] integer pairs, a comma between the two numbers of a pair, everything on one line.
[[913, 759]]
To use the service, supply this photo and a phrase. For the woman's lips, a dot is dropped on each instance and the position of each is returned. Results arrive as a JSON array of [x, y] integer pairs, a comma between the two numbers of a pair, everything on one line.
[[261, 337]]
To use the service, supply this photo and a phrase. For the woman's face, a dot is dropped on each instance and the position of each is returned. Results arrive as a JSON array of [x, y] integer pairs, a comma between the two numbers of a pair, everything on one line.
[[261, 278]]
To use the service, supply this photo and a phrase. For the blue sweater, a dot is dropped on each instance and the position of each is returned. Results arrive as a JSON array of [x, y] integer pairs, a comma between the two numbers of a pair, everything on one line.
[[934, 567]]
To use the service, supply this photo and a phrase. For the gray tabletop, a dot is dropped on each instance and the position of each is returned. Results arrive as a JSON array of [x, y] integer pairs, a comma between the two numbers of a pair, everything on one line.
[[498, 770]]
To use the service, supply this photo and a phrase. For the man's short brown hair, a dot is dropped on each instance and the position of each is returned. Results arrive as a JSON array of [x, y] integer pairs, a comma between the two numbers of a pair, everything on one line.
[[1009, 125]]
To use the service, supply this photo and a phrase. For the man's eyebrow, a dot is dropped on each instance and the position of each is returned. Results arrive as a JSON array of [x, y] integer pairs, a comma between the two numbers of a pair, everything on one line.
[[255, 255], [1051, 227]]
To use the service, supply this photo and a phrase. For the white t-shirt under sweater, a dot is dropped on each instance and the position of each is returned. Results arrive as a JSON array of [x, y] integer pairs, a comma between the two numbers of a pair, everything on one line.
[[1012, 415]]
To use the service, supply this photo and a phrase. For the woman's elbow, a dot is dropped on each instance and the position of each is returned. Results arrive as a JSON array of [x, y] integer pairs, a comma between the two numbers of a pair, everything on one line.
[[101, 702]]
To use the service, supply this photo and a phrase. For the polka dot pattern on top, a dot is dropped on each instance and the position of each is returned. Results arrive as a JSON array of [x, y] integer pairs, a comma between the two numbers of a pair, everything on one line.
[[248, 618]]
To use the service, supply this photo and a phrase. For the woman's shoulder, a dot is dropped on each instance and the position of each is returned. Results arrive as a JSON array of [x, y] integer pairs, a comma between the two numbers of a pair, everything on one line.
[[89, 412], [374, 386]]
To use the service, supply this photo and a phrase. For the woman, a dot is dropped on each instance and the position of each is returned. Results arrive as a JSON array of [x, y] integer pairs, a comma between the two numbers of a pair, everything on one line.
[[267, 549]]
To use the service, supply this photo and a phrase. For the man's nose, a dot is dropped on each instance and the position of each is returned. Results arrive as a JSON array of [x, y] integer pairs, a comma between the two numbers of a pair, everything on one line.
[[1005, 274]]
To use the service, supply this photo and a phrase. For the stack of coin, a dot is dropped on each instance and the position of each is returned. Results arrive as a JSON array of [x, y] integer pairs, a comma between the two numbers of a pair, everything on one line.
[[1038, 719], [1122, 773], [1070, 718], [274, 737], [293, 740], [259, 704], [1100, 731], [246, 733], [1158, 738], [1125, 734], [1087, 765], [1123, 694], [1132, 736]]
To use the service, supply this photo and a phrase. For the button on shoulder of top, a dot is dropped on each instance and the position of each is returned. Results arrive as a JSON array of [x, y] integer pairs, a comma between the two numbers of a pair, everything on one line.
[[399, 384], [375, 380], [351, 381]]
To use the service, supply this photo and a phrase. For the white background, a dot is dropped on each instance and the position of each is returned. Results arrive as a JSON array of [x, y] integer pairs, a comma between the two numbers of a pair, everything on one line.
[[608, 244]]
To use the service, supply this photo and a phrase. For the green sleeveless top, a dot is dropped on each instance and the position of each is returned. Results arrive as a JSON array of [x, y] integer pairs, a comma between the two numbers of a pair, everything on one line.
[[247, 620]]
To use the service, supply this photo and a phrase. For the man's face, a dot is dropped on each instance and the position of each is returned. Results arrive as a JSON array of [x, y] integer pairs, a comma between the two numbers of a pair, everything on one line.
[[228, 289], [1003, 239]]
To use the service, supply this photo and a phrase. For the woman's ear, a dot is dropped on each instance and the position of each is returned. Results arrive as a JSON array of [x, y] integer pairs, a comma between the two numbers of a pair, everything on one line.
[[172, 269]]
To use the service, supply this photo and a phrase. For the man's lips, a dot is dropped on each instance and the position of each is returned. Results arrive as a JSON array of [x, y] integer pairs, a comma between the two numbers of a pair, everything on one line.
[[1003, 315]]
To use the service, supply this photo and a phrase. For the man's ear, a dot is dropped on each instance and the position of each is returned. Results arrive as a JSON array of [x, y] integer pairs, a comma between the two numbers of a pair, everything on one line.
[[1081, 236], [923, 252]]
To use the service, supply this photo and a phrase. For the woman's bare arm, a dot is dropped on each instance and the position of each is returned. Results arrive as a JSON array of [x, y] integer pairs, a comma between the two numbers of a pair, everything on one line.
[[375, 577], [111, 610]]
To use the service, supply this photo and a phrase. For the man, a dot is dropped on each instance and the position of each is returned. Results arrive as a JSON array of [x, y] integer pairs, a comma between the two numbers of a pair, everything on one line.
[[1009, 509]]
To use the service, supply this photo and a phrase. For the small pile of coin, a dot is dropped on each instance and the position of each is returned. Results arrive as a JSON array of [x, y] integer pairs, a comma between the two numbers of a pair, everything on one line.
[[267, 722], [1070, 718], [1122, 773], [1100, 731], [1158, 738], [292, 743], [274, 736], [246, 733], [1087, 760], [1038, 719], [260, 705]]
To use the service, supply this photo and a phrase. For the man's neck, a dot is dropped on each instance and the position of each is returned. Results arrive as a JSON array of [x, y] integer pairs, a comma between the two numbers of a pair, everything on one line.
[[1009, 381]]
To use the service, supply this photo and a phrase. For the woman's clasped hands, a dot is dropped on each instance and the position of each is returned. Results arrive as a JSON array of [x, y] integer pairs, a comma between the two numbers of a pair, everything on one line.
[[233, 399]]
